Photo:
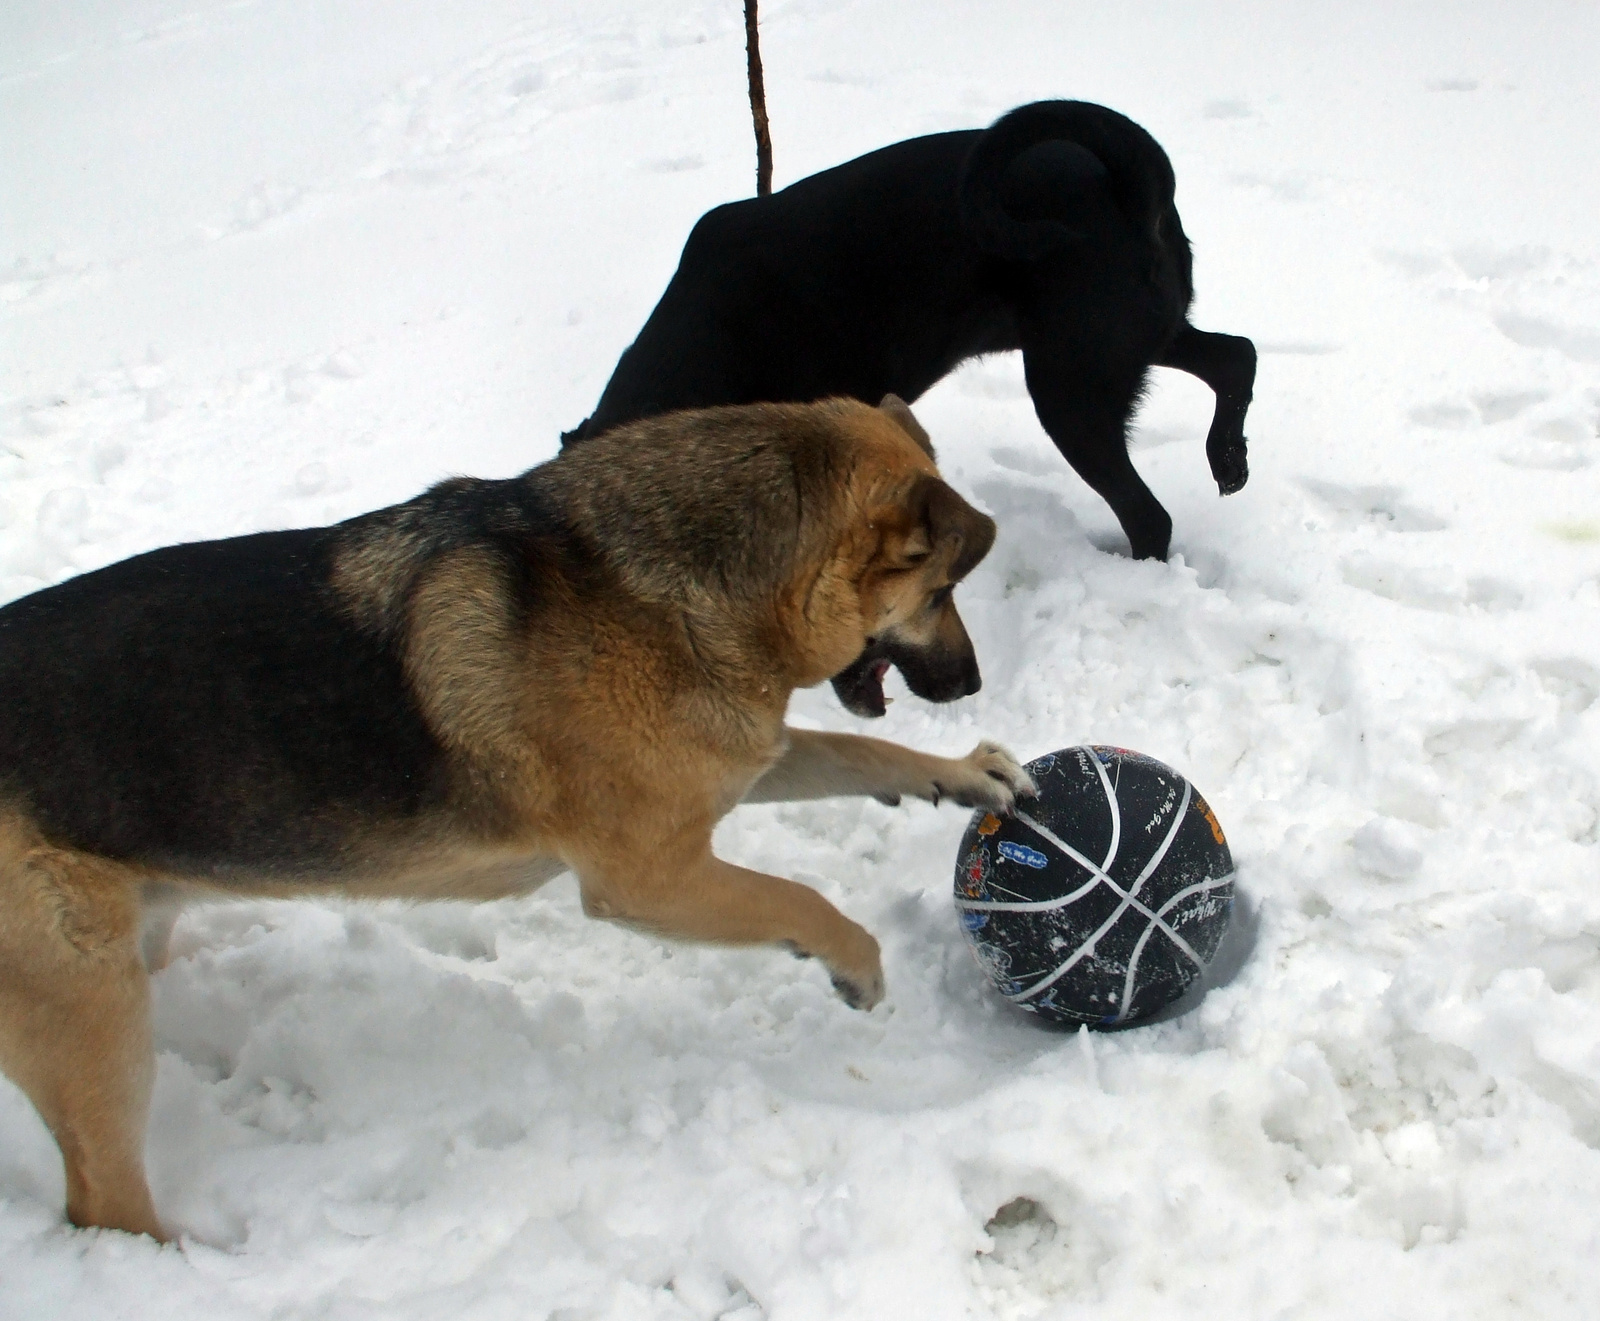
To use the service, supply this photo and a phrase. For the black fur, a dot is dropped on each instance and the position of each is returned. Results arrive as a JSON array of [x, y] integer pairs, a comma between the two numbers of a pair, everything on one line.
[[241, 709], [264, 715], [1053, 232]]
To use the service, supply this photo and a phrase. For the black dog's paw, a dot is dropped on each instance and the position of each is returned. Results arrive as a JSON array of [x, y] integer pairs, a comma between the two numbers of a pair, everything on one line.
[[1231, 468]]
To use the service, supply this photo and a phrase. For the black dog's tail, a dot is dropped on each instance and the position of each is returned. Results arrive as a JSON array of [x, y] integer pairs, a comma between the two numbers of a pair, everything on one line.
[[1138, 172]]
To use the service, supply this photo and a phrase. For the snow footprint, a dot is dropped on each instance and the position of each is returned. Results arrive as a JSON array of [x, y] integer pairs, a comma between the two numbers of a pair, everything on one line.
[[1036, 1260], [1489, 408], [1495, 407], [1380, 506], [1535, 332], [714, 1294], [1559, 437], [1574, 683], [1429, 587], [1561, 444], [436, 128]]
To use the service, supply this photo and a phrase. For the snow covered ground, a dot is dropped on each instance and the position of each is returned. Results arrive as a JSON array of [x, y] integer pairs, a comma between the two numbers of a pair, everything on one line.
[[272, 262]]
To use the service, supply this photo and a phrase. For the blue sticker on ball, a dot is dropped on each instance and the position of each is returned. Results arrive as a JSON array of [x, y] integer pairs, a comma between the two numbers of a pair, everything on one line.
[[1023, 854]]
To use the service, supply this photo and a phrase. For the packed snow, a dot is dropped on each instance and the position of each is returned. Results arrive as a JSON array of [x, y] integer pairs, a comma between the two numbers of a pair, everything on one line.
[[273, 263]]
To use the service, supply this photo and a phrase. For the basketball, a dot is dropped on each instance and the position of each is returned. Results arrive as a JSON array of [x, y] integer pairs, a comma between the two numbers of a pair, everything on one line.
[[1102, 900]]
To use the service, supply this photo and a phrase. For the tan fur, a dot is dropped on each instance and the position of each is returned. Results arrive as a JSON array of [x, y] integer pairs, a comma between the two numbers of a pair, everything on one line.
[[462, 659], [607, 739], [75, 1019], [374, 570]]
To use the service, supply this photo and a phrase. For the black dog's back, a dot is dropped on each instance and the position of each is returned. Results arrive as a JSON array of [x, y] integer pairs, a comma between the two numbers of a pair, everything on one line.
[[818, 290], [1053, 232]]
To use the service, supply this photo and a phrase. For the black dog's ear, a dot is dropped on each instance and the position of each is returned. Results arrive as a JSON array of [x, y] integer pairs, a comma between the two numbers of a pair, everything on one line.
[[954, 527], [896, 408]]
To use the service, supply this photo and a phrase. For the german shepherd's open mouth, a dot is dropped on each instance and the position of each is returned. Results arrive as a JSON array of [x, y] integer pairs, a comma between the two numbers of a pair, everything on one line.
[[935, 674]]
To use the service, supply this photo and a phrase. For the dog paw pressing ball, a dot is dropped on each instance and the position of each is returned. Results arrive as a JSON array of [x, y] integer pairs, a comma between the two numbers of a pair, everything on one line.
[[1101, 900]]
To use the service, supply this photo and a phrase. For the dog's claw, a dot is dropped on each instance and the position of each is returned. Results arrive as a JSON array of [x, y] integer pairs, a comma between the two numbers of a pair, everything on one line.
[[999, 783], [859, 996]]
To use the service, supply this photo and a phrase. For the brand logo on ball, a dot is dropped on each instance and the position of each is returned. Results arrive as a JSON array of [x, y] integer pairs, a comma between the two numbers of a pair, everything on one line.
[[1023, 854]]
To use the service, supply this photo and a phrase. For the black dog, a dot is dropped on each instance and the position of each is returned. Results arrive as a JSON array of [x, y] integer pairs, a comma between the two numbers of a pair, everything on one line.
[[1053, 232]]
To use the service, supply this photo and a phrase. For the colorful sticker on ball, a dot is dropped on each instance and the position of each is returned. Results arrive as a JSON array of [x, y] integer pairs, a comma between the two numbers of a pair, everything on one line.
[[989, 824], [975, 872], [1015, 852], [1211, 819]]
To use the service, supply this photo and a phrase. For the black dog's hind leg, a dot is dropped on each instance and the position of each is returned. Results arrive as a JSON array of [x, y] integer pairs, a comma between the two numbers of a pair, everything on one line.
[[1227, 363], [1088, 421]]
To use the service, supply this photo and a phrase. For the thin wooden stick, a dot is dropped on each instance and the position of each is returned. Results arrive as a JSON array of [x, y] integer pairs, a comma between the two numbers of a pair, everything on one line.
[[758, 102]]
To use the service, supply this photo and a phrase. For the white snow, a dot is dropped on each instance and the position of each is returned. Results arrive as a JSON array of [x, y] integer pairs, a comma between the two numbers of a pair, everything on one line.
[[272, 263]]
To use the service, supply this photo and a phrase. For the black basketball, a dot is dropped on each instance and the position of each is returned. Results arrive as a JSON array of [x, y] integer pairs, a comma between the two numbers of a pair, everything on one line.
[[1100, 901]]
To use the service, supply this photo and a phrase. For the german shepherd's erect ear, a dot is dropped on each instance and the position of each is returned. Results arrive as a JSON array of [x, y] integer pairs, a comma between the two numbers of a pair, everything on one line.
[[947, 520], [896, 408]]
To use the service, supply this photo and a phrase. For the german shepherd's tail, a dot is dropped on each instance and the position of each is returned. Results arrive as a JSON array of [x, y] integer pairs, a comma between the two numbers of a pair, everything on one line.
[[1139, 175]]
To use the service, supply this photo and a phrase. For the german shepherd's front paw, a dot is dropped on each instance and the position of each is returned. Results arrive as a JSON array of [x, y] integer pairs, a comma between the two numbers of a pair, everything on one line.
[[988, 776], [859, 978]]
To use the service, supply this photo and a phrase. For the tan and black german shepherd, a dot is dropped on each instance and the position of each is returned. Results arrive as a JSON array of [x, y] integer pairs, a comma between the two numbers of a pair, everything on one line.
[[459, 697]]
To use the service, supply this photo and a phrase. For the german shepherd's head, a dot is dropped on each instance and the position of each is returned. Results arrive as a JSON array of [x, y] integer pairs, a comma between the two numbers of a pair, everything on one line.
[[928, 539], [833, 511]]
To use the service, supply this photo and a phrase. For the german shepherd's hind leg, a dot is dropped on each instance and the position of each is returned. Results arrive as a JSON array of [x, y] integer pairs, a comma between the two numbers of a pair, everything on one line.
[[75, 1023], [1227, 363], [697, 896], [1088, 421], [824, 765]]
